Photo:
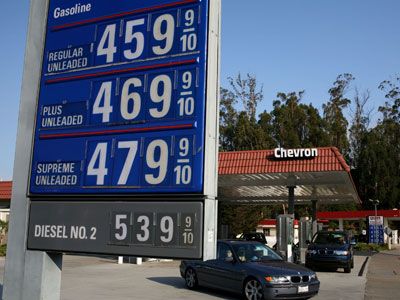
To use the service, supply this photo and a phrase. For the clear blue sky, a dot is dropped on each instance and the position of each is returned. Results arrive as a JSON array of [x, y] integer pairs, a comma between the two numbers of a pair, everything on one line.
[[289, 45]]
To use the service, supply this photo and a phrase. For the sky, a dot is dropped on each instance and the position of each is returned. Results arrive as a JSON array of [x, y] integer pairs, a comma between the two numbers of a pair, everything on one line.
[[289, 45]]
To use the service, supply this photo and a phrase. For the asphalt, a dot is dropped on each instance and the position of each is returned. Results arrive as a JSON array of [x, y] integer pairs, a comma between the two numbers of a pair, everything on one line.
[[383, 276], [87, 278]]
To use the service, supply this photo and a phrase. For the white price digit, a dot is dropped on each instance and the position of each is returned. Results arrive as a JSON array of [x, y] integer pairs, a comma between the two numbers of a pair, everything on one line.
[[131, 35], [127, 97], [183, 174], [187, 80], [104, 95], [130, 158], [164, 97], [189, 17], [188, 221], [167, 35], [167, 227], [189, 42], [184, 147], [108, 38], [99, 156], [188, 237], [186, 106], [161, 164], [145, 228], [119, 225]]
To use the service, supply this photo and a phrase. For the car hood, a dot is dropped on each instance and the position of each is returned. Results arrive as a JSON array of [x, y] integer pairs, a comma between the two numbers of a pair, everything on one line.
[[328, 246], [278, 268]]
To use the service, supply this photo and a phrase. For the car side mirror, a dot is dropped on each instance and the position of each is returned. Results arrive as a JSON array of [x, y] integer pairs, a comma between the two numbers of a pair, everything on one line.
[[353, 242], [229, 259]]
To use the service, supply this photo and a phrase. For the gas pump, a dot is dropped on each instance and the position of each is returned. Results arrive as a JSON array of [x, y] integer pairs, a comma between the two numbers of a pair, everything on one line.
[[285, 235], [305, 235]]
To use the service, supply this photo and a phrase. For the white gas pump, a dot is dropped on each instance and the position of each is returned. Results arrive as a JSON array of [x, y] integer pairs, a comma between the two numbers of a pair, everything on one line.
[[285, 235]]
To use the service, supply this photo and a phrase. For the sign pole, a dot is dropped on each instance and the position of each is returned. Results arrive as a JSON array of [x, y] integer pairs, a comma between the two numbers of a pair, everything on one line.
[[29, 275], [212, 130]]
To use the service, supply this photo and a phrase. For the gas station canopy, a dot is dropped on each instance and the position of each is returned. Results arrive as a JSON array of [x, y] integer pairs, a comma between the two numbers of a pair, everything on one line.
[[263, 176]]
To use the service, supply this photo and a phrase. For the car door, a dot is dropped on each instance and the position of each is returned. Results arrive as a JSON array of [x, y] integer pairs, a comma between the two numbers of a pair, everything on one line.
[[207, 274], [228, 275]]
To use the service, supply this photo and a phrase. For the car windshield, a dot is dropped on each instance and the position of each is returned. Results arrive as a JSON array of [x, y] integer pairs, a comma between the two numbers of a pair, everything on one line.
[[254, 252], [330, 238]]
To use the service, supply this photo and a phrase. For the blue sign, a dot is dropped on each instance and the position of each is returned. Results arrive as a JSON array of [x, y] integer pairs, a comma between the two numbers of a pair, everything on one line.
[[375, 230], [122, 98]]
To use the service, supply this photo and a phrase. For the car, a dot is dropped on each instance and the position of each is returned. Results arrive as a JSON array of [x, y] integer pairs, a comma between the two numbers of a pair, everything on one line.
[[253, 270], [330, 249], [254, 236]]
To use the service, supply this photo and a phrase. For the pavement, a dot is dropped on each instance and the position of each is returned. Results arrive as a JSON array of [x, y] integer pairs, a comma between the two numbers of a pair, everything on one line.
[[383, 277], [87, 278], [343, 286]]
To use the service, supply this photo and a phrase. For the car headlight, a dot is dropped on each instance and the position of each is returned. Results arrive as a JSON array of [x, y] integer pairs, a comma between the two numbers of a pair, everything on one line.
[[311, 252], [313, 276], [341, 252], [277, 279]]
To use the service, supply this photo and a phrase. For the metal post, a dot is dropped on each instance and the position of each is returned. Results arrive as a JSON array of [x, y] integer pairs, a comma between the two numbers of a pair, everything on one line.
[[314, 216], [376, 203], [210, 229], [29, 275], [376, 227], [291, 200]]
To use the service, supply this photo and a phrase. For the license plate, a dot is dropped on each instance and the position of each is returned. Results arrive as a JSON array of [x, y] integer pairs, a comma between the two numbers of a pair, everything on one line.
[[303, 289]]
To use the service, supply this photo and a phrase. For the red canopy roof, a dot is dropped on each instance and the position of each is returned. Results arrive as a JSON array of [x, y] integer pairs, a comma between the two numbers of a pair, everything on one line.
[[5, 190], [263, 161]]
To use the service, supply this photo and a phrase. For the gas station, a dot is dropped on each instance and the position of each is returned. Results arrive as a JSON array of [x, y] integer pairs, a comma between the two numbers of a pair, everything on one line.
[[287, 176]]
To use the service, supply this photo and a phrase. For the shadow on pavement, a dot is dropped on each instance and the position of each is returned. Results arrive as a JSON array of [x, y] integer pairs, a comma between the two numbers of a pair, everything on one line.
[[176, 282], [179, 283]]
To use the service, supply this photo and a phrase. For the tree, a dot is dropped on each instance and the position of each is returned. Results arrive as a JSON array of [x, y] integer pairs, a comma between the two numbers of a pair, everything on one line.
[[228, 118], [240, 130], [359, 125], [249, 135], [333, 113], [379, 173], [379, 161], [246, 91], [242, 217], [296, 125], [391, 109]]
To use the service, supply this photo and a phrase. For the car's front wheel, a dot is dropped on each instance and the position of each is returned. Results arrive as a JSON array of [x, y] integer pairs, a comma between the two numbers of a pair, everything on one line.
[[253, 290], [191, 279]]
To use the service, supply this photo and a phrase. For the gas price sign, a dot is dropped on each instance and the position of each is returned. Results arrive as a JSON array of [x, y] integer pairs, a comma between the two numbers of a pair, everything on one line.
[[122, 104], [156, 229]]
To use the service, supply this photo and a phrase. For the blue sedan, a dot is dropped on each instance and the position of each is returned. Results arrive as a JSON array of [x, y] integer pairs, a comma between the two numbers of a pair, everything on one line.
[[252, 269]]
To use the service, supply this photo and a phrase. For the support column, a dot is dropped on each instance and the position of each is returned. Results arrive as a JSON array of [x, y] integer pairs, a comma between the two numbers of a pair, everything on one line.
[[341, 224], [291, 200], [314, 216], [210, 229], [28, 275]]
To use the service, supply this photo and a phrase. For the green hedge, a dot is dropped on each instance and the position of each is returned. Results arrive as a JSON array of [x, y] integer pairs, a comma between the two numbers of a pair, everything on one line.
[[370, 247], [3, 249]]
